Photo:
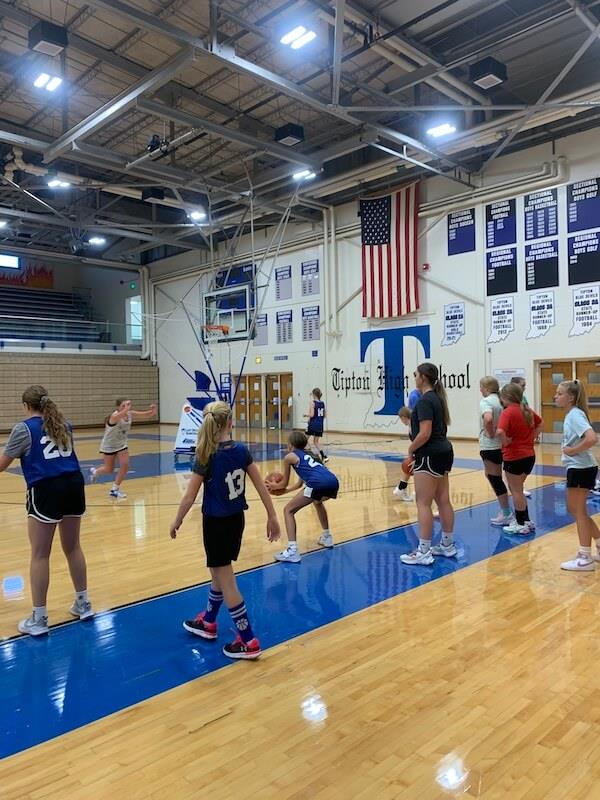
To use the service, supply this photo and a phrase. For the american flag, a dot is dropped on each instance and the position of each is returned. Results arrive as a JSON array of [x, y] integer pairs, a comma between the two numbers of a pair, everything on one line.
[[389, 253]]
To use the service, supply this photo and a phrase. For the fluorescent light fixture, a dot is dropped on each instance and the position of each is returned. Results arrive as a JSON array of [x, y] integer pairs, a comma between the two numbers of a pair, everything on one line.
[[197, 215], [304, 39], [56, 183], [441, 130], [304, 175], [9, 262], [41, 80], [3, 223], [97, 240], [53, 84], [294, 34]]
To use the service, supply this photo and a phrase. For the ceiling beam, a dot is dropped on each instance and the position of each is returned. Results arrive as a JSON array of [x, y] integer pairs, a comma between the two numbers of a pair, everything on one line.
[[338, 50], [231, 134], [49, 255], [98, 118]]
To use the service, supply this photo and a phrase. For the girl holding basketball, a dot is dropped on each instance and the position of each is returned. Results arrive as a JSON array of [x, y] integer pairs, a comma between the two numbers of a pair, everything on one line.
[[114, 443], [433, 458], [518, 428], [582, 468], [55, 496], [222, 464], [320, 484]]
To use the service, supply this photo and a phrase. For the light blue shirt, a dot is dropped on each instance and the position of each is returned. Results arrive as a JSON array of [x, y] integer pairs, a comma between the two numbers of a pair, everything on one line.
[[575, 425], [492, 404]]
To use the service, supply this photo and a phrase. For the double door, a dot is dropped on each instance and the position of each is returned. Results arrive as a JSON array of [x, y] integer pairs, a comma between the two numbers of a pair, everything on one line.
[[265, 401], [554, 372]]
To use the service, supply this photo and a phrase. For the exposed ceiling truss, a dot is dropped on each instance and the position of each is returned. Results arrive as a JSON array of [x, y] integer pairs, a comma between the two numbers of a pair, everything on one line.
[[213, 87]]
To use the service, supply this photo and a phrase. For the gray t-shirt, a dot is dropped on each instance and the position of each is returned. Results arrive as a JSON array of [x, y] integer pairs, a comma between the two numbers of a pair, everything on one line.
[[115, 436], [19, 441], [575, 425], [492, 404]]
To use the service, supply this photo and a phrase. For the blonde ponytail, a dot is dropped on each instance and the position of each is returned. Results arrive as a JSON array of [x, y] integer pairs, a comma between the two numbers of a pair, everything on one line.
[[36, 398], [216, 416], [576, 390]]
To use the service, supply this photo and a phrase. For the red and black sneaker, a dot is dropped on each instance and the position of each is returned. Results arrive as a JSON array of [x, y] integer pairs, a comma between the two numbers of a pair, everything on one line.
[[197, 626], [239, 649]]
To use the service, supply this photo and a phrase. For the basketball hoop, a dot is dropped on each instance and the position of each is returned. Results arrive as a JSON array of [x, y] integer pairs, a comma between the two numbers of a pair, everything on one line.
[[213, 333]]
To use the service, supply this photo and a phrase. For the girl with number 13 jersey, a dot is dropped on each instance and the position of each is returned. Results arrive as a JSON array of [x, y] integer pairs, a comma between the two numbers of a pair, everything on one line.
[[222, 465]]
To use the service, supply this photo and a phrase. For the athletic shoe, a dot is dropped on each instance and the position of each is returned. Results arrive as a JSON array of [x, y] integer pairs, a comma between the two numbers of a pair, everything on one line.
[[34, 627], [418, 557], [526, 492], [239, 649], [293, 556], [325, 459], [197, 626], [447, 550], [82, 609], [581, 563], [92, 474], [520, 530], [326, 540], [500, 520], [118, 494], [596, 489], [403, 494]]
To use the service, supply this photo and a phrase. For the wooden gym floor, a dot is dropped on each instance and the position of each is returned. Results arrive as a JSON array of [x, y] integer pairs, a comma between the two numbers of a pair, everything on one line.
[[378, 681]]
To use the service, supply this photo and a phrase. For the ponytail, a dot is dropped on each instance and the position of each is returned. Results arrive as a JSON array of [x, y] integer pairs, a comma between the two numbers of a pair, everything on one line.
[[215, 419], [432, 375], [576, 391], [512, 393], [36, 398]]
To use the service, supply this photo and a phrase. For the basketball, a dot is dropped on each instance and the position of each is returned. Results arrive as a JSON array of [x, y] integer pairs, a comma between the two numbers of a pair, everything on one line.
[[274, 477], [407, 465]]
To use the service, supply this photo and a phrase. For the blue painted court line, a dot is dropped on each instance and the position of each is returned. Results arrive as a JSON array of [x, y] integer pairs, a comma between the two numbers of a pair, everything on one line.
[[82, 672]]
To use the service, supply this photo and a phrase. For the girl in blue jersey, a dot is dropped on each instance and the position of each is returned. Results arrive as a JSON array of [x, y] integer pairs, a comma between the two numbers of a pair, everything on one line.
[[320, 484], [55, 496], [316, 419], [222, 465]]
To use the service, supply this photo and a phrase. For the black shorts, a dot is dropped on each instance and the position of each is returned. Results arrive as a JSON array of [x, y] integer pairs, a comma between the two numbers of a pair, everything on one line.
[[581, 478], [313, 432], [522, 466], [322, 492], [222, 538], [113, 452], [52, 499], [437, 464], [493, 456]]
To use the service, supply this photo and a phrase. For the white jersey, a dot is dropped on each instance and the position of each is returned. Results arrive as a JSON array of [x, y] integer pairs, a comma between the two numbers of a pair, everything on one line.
[[115, 436]]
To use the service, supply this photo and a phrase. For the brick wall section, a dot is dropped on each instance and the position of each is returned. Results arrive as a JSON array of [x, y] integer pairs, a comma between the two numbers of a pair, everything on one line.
[[84, 386]]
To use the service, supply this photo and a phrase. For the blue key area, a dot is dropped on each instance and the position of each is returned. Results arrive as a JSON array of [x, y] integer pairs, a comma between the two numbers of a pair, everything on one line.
[[83, 671]]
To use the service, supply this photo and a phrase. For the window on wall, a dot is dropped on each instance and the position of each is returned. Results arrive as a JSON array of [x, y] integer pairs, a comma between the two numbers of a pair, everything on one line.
[[133, 314], [9, 262]]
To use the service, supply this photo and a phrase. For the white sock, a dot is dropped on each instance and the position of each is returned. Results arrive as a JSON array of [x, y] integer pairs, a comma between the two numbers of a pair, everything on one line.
[[585, 551], [447, 538], [81, 597], [424, 545], [39, 612], [292, 545], [326, 532], [115, 488]]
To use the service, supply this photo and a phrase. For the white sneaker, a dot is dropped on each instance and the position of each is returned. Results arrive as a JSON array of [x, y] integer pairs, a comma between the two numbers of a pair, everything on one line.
[[520, 530], [326, 540], [34, 627], [118, 494], [293, 556], [92, 474], [82, 609], [526, 492], [581, 563], [500, 520], [447, 550], [403, 494], [596, 490], [418, 557]]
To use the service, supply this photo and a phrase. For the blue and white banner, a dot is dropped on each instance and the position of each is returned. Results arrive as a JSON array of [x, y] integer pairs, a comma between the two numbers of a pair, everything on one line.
[[461, 232], [541, 264], [541, 314], [189, 425], [261, 331], [310, 277], [541, 214], [501, 271], [584, 258], [454, 323], [283, 283], [583, 205], [502, 318], [586, 310], [501, 223]]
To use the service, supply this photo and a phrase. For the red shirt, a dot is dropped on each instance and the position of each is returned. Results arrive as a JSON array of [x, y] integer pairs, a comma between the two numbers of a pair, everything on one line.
[[515, 426]]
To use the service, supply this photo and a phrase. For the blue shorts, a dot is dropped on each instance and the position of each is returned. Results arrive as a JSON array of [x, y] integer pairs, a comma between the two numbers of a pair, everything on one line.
[[318, 493]]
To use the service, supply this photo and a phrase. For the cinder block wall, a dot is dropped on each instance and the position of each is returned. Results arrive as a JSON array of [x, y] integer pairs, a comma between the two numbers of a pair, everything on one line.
[[84, 386]]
